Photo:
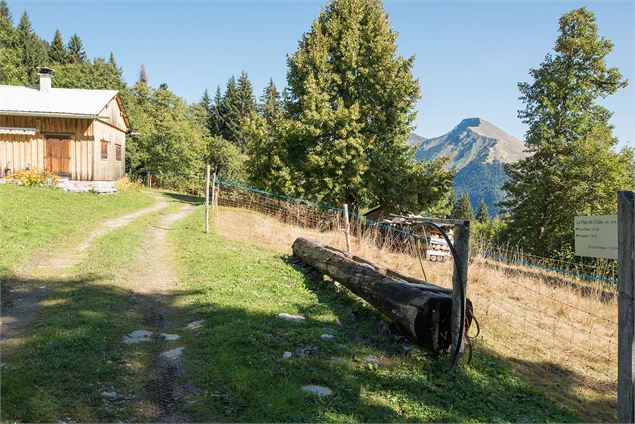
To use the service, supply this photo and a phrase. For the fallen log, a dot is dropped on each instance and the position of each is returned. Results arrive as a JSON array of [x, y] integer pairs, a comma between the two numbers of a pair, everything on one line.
[[422, 309]]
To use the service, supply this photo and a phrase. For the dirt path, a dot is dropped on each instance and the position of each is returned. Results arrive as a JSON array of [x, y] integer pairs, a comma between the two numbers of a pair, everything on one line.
[[155, 280], [30, 285]]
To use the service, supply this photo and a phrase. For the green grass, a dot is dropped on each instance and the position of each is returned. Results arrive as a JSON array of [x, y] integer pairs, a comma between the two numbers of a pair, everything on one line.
[[34, 218], [73, 350], [236, 362]]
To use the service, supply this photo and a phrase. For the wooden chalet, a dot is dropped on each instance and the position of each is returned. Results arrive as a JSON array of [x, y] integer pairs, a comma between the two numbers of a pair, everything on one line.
[[78, 134]]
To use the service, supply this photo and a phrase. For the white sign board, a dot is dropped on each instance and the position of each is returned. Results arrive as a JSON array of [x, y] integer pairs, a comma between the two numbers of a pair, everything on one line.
[[596, 236]]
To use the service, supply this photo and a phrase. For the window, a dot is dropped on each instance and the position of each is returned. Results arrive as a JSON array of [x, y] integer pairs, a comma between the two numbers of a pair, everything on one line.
[[118, 152], [104, 149]]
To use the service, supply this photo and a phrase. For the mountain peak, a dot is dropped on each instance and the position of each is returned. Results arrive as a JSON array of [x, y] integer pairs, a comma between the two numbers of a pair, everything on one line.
[[477, 149]]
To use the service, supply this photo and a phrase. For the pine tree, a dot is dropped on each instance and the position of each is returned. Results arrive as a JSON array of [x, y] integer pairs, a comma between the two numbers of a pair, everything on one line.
[[57, 52], [247, 101], [462, 207], [11, 70], [205, 105], [352, 99], [230, 110], [5, 12], [216, 117], [271, 103], [76, 52], [143, 75], [30, 48], [482, 215], [573, 169]]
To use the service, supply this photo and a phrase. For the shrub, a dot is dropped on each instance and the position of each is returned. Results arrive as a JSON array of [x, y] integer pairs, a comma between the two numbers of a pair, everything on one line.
[[126, 184], [33, 177]]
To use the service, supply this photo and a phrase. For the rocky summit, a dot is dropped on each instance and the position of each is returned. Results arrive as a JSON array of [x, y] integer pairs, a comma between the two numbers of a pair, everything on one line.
[[478, 150]]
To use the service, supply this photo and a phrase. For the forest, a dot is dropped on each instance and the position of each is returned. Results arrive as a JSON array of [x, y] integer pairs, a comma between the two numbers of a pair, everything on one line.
[[337, 132]]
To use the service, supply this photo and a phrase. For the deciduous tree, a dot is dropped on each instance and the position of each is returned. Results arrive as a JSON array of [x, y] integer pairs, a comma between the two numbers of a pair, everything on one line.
[[573, 168]]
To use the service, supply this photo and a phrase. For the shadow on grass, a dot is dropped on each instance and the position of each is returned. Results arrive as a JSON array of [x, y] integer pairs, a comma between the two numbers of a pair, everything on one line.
[[73, 352], [184, 198]]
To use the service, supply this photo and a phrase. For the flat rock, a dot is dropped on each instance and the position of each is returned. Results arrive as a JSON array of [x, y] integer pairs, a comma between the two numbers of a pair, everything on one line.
[[327, 337], [109, 394], [170, 337], [137, 336], [195, 324], [287, 355], [304, 351], [172, 355], [289, 317], [372, 359], [316, 390]]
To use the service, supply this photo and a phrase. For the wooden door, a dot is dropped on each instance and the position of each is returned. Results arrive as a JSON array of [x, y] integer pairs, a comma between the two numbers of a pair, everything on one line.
[[57, 156]]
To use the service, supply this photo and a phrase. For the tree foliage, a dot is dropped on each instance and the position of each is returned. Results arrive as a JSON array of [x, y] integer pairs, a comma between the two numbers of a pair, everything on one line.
[[482, 215], [462, 207], [57, 52], [76, 51], [573, 169], [350, 104]]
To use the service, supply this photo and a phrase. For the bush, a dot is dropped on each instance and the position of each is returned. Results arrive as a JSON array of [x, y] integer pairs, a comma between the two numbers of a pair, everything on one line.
[[33, 177], [126, 184]]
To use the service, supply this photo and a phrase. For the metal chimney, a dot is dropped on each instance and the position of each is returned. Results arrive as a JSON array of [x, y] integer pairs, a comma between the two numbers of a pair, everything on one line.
[[46, 76]]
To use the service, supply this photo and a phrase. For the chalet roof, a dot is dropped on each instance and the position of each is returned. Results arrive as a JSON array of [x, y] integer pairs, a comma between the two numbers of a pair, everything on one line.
[[60, 102]]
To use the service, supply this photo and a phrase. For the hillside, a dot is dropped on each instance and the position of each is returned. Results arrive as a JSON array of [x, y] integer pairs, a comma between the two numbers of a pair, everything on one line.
[[478, 150]]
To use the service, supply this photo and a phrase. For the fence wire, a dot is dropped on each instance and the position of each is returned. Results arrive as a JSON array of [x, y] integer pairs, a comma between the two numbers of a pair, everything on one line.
[[556, 329]]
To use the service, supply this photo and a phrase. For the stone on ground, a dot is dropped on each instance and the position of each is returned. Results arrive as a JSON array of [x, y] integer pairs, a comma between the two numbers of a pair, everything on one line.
[[170, 337], [327, 337], [317, 390], [172, 355], [137, 336], [195, 324], [289, 317], [304, 351], [372, 359], [287, 355]]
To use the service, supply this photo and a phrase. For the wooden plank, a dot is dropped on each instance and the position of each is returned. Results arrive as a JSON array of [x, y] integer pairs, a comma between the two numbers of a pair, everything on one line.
[[626, 307], [207, 171], [459, 284]]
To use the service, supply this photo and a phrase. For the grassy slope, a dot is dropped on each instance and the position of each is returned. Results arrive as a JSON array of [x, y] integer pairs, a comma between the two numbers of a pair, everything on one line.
[[35, 218], [236, 359]]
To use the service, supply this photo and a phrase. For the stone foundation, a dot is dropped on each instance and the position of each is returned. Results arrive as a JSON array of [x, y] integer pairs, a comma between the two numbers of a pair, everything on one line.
[[85, 186]]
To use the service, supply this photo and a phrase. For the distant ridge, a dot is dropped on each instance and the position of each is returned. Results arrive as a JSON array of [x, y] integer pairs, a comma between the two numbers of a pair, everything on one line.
[[478, 150]]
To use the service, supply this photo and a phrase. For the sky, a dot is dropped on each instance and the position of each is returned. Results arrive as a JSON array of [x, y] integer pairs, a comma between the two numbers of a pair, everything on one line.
[[470, 55]]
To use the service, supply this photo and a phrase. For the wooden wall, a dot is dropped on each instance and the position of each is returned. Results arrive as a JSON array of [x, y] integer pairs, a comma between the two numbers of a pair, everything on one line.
[[19, 152]]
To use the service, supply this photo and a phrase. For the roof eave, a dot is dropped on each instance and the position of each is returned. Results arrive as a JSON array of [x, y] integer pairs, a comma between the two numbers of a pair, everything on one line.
[[50, 114]]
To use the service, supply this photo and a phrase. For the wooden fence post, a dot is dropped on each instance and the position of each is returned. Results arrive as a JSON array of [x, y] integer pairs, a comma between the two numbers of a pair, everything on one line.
[[207, 199], [214, 199], [462, 246], [626, 306], [347, 228]]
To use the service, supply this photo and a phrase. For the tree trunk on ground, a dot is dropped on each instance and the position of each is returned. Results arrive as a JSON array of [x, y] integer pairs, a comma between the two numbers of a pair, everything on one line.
[[422, 309]]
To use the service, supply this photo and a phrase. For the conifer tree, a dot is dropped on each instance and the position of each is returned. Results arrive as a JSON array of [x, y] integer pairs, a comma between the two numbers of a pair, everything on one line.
[[462, 207], [271, 103], [76, 52], [216, 117], [57, 51], [30, 49], [143, 75], [247, 101], [352, 98], [482, 215], [5, 12], [573, 169], [230, 110]]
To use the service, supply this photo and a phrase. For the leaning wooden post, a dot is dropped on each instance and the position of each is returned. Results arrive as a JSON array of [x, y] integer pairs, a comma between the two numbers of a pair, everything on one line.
[[347, 228], [462, 247], [207, 199], [626, 307]]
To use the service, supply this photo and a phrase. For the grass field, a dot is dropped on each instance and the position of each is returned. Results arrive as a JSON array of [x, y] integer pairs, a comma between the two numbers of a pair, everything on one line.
[[72, 353], [32, 219], [558, 339], [236, 361]]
